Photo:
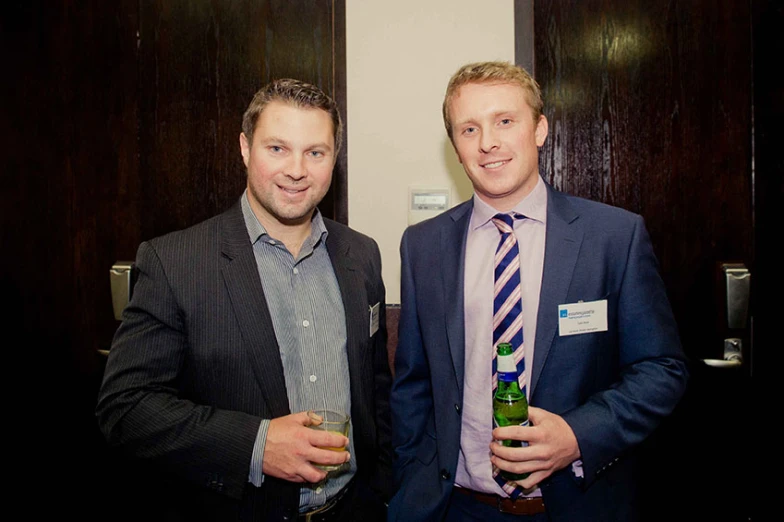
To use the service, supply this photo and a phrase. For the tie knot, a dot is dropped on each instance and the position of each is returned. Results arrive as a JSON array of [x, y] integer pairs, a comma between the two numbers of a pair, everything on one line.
[[505, 222]]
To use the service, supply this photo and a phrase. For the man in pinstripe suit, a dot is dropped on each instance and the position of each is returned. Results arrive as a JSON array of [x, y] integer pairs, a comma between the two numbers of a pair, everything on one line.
[[239, 325]]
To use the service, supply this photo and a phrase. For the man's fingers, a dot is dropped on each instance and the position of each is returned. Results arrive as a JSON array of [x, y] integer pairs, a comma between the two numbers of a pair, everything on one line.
[[326, 439], [325, 457], [523, 433]]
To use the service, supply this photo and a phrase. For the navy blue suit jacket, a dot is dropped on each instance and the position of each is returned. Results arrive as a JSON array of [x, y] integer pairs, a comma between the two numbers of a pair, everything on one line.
[[612, 388]]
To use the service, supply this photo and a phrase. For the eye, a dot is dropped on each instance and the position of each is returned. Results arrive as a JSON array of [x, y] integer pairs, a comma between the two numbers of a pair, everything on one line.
[[275, 148], [469, 131], [315, 154], [506, 121]]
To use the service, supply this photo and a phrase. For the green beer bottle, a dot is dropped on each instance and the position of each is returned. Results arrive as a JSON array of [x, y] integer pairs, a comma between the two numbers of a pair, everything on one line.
[[510, 407]]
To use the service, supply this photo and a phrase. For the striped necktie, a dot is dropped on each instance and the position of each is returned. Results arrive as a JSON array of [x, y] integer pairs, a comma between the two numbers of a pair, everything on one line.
[[508, 312]]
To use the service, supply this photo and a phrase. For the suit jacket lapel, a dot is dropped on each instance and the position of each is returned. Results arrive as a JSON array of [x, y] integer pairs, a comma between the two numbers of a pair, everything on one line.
[[452, 256], [241, 275], [355, 305], [562, 244]]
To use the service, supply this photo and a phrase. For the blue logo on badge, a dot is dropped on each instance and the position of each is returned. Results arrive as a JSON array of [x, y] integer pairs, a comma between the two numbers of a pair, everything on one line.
[[564, 313]]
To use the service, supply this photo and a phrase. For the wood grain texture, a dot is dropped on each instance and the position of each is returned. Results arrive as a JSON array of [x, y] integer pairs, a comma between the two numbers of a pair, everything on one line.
[[200, 64], [121, 122], [649, 105], [670, 110]]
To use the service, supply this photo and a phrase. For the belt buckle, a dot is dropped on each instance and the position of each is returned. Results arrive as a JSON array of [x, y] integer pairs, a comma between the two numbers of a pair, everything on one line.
[[518, 506]]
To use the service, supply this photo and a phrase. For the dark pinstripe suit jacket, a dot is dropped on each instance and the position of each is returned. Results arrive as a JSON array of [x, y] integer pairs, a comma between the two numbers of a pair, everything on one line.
[[195, 366]]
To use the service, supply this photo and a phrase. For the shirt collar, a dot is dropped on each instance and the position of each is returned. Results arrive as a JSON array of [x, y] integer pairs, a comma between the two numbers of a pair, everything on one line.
[[533, 206]]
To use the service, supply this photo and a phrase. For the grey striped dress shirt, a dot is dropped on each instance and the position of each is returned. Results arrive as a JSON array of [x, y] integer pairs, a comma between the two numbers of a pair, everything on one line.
[[307, 313]]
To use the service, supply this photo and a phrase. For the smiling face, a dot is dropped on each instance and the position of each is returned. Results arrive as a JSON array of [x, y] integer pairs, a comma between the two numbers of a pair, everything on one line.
[[496, 139], [289, 163]]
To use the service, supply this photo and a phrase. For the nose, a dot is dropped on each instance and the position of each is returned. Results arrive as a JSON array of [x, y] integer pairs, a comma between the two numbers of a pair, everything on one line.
[[488, 140], [296, 169]]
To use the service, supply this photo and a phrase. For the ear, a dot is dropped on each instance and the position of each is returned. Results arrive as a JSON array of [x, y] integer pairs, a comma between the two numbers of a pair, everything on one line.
[[245, 148], [541, 130]]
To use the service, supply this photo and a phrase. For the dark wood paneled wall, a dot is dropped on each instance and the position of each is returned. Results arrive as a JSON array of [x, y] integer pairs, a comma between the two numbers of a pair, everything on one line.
[[650, 110], [120, 121], [199, 65], [671, 110]]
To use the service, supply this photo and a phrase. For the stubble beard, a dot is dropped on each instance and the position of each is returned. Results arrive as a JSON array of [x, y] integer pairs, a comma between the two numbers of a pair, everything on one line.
[[286, 214]]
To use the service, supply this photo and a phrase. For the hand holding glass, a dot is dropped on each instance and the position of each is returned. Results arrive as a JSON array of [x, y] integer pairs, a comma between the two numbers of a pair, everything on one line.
[[332, 421]]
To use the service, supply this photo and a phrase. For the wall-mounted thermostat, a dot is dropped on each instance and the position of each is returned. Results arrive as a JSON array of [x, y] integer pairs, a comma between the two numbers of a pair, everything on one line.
[[426, 203]]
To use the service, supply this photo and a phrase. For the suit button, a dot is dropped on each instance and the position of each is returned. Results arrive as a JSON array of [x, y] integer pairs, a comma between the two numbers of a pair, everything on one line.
[[457, 408], [445, 474]]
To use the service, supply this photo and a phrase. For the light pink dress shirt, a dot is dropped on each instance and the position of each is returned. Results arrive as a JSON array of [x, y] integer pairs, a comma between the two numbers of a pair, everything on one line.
[[474, 470]]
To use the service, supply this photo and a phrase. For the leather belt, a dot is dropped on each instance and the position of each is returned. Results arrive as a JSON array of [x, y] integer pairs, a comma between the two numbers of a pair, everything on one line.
[[520, 506]]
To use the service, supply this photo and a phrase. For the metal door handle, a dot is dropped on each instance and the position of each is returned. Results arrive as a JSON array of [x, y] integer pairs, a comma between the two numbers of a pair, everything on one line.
[[738, 281], [122, 286], [733, 355]]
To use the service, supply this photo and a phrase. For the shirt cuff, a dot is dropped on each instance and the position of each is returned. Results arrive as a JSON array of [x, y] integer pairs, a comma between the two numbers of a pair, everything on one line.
[[256, 475], [577, 469]]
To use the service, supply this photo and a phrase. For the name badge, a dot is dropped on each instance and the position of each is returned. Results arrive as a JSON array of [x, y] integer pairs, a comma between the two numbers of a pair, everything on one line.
[[582, 317], [374, 318]]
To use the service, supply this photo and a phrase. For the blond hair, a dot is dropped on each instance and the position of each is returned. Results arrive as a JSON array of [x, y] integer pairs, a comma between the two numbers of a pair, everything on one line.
[[492, 72]]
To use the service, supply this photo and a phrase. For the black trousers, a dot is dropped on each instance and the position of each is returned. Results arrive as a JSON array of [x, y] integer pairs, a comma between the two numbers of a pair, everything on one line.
[[361, 503]]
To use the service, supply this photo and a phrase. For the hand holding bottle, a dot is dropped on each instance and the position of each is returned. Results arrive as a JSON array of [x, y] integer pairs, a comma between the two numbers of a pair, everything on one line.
[[551, 446]]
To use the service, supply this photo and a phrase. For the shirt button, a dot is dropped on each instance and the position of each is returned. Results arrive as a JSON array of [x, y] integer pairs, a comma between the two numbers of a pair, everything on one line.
[[296, 270], [305, 323], [319, 489], [313, 378], [271, 242]]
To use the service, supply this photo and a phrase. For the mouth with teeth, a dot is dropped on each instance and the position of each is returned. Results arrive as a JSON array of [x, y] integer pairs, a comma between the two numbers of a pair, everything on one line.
[[293, 191], [494, 164]]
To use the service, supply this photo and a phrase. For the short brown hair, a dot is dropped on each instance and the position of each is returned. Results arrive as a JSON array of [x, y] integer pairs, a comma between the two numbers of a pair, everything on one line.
[[492, 72], [298, 94]]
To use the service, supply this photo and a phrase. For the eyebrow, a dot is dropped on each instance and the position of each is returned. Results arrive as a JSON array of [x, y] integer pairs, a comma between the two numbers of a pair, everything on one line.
[[320, 145], [275, 140], [495, 115]]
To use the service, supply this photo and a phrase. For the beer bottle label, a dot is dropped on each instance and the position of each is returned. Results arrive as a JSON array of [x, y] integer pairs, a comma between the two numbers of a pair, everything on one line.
[[507, 369]]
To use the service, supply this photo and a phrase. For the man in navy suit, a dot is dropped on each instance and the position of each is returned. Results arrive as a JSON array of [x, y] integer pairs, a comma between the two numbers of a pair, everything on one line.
[[240, 324], [603, 361]]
